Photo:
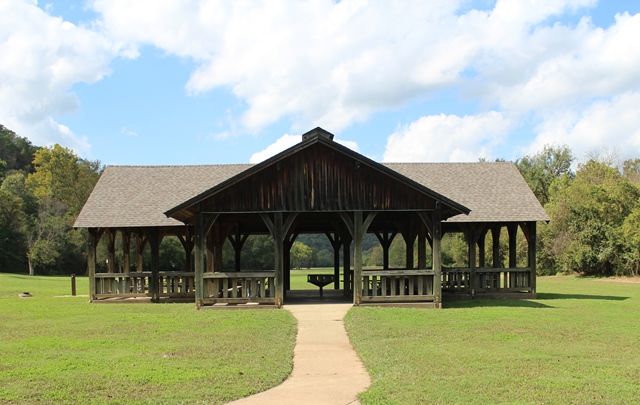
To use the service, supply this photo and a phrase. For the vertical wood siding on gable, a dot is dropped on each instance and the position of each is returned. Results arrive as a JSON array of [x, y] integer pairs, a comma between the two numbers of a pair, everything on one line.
[[317, 179]]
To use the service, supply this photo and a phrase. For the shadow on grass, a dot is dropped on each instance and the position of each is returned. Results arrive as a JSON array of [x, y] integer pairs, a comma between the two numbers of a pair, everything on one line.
[[530, 303], [495, 303], [554, 296]]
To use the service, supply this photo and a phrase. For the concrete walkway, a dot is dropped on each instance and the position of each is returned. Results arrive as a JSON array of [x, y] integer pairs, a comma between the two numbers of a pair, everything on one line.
[[326, 369]]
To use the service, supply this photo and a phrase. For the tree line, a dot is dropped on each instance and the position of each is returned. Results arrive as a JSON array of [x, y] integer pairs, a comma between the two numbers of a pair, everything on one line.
[[594, 208]]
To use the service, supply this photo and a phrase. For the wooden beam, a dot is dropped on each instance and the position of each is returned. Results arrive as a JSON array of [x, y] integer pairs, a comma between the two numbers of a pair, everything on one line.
[[386, 238], [437, 254], [481, 249], [422, 246], [512, 229], [111, 250], [531, 226], [276, 227], [126, 250], [141, 242], [199, 257], [358, 234], [495, 234], [360, 227], [92, 239], [155, 238], [336, 242], [471, 239]]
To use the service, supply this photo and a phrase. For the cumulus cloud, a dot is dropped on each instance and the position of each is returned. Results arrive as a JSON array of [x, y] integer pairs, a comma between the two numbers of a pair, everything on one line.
[[326, 62], [283, 143], [447, 138], [42, 57], [605, 123], [286, 141], [333, 64]]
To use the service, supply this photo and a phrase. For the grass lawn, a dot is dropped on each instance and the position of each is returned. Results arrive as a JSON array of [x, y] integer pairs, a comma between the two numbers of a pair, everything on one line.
[[61, 349], [579, 342], [299, 278]]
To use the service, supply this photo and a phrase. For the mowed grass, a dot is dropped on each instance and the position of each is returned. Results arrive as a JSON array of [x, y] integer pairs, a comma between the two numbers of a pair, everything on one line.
[[299, 278], [61, 349], [578, 343]]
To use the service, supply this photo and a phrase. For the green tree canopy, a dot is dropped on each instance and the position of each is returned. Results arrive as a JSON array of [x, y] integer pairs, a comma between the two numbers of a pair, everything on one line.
[[17, 152], [63, 176], [587, 215], [541, 169]]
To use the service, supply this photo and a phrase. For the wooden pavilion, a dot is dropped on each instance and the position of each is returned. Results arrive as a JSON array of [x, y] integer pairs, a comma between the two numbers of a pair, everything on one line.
[[316, 186]]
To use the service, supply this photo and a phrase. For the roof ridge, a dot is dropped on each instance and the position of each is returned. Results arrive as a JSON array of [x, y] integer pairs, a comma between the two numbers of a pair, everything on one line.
[[174, 166]]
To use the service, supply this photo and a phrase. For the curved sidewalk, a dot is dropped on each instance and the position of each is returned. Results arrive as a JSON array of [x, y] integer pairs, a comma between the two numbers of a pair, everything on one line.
[[326, 369]]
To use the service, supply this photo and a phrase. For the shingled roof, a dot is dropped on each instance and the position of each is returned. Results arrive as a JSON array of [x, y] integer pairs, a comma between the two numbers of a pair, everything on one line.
[[137, 196], [495, 191]]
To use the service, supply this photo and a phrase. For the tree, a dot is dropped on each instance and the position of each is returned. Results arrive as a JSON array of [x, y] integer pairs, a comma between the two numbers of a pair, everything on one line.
[[12, 235], [301, 255], [61, 183], [541, 169], [63, 176], [587, 215], [631, 170], [17, 152]]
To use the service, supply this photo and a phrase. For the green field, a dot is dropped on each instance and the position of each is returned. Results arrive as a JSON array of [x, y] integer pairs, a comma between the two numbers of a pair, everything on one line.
[[578, 343], [60, 349]]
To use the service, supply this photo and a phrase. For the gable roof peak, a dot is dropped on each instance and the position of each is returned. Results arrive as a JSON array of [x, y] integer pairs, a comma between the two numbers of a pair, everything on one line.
[[317, 131]]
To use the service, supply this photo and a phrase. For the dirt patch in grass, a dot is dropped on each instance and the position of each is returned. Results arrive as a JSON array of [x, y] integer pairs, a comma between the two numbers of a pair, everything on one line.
[[633, 280]]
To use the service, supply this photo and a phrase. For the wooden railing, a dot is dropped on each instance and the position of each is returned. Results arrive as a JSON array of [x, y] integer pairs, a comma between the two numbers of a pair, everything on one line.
[[493, 280], [456, 280], [503, 280], [138, 284], [239, 287], [397, 285]]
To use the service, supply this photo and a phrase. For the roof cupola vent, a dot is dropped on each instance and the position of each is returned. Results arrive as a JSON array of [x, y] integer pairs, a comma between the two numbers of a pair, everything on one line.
[[317, 132]]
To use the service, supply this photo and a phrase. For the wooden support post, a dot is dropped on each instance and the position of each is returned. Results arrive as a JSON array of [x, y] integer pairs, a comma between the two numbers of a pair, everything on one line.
[[141, 242], [237, 241], [422, 247], [218, 241], [347, 285], [336, 265], [278, 235], [111, 250], [154, 243], [386, 238], [531, 226], [495, 234], [126, 250], [436, 224], [357, 228], [409, 235], [279, 229], [481, 247], [512, 229], [92, 241], [472, 258], [199, 257], [358, 235], [336, 242]]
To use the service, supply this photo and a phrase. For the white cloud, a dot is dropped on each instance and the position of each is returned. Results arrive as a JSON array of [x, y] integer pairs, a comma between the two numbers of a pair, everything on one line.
[[447, 138], [611, 123], [286, 141], [331, 64], [42, 57], [324, 62]]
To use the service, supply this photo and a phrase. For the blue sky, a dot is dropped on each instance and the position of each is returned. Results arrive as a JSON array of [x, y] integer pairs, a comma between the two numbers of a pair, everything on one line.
[[175, 82]]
